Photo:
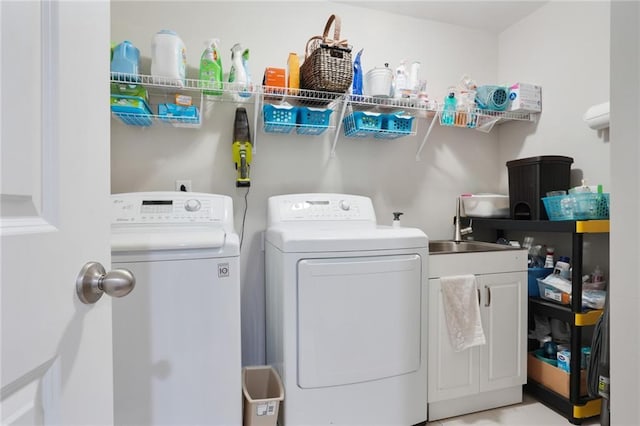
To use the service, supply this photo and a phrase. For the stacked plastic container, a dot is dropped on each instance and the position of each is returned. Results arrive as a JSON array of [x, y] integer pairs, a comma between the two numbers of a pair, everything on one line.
[[361, 124], [306, 120]]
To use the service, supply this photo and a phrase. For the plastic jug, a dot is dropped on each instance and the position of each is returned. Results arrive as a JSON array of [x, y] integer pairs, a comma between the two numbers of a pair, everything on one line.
[[125, 62], [168, 58], [211, 68]]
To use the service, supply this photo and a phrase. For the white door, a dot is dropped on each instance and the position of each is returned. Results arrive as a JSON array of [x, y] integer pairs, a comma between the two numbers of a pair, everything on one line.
[[56, 351], [451, 374], [504, 314]]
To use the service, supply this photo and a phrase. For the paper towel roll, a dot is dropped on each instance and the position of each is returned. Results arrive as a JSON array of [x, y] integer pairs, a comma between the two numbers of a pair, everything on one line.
[[597, 117]]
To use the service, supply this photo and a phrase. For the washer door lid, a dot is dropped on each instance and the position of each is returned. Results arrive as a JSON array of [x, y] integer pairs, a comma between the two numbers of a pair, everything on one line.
[[358, 319]]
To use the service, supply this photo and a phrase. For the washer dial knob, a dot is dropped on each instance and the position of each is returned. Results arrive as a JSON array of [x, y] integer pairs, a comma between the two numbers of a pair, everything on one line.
[[344, 205], [192, 205]]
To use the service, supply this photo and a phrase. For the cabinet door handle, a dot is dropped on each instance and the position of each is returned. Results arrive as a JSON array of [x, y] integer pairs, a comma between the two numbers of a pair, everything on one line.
[[478, 290], [488, 303]]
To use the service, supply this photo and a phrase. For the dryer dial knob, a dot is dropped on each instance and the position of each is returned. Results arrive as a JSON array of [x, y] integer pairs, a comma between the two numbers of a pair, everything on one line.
[[192, 205], [344, 205]]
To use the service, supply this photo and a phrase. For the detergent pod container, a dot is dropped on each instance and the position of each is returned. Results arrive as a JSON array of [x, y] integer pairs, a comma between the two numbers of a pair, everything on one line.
[[239, 75], [125, 62], [168, 59]]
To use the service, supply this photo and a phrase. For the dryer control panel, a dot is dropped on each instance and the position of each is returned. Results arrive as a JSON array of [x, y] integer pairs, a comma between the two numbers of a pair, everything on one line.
[[320, 207], [170, 208]]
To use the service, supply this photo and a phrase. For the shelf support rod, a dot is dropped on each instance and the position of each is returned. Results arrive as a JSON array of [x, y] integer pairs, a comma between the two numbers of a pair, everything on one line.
[[338, 127], [257, 111], [426, 136]]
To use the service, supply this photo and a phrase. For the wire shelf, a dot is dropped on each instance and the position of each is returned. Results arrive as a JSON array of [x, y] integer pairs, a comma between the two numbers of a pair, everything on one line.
[[148, 120], [482, 120]]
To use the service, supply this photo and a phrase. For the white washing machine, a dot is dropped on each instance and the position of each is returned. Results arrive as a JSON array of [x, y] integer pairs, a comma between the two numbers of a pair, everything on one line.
[[176, 337], [346, 312]]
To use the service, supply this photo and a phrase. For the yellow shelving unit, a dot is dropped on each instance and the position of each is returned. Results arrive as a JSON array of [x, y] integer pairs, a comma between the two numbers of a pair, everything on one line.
[[575, 408]]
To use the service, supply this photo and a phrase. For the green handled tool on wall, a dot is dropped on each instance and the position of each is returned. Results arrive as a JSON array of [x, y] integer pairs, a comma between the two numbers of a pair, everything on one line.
[[242, 147]]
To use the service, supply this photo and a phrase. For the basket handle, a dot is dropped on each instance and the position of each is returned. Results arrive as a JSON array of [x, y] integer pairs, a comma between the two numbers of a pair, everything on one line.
[[336, 31], [337, 25], [306, 48], [324, 39]]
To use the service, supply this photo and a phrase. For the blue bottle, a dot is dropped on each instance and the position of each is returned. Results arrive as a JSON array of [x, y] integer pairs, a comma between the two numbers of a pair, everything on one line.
[[449, 110], [125, 62], [357, 74]]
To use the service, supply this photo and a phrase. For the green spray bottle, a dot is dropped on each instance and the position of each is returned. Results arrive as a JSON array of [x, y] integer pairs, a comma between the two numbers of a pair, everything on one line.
[[211, 69]]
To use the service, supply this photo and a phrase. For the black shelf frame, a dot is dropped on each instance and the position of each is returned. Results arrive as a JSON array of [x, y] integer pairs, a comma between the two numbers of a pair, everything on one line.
[[564, 313]]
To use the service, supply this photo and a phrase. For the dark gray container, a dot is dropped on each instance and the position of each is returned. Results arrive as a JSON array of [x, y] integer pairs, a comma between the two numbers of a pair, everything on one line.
[[531, 178]]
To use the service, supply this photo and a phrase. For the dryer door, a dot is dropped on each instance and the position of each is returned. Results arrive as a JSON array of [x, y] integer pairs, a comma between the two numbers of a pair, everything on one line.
[[358, 319]]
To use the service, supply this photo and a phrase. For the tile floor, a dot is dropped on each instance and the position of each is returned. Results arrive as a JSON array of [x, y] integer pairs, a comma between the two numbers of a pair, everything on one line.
[[529, 412]]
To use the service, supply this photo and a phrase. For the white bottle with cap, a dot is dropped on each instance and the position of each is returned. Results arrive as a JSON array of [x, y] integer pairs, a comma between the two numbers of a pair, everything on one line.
[[563, 267], [396, 219], [168, 58]]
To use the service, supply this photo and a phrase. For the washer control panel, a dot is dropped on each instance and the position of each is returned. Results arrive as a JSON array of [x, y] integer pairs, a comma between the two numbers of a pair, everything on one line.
[[320, 207], [169, 207]]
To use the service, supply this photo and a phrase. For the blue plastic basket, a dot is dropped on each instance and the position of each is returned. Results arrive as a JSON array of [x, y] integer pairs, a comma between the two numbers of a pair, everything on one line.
[[395, 126], [313, 121], [581, 206], [532, 279], [362, 124], [279, 118]]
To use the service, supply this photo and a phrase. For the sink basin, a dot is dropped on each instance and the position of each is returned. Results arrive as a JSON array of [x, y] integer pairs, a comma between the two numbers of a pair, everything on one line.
[[449, 246]]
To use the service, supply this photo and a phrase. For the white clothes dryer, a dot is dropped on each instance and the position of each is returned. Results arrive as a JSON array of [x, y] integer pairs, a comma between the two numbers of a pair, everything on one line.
[[176, 337], [346, 312]]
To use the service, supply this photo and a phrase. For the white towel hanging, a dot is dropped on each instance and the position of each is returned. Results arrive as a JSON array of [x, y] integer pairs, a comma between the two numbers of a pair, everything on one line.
[[462, 313]]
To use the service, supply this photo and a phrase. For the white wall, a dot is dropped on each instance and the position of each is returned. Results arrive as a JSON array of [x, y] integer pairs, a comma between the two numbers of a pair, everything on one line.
[[453, 161], [625, 211], [569, 57]]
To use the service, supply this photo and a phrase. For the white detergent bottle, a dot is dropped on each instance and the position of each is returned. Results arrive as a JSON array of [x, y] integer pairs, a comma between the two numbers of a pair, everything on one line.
[[168, 59], [400, 81], [239, 74]]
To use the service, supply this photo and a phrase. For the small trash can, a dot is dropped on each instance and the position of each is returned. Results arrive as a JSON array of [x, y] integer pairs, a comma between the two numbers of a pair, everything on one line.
[[262, 390], [531, 178]]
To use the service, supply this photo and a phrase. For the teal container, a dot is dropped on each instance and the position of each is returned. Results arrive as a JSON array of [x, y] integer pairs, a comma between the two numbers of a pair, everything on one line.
[[532, 278], [125, 63]]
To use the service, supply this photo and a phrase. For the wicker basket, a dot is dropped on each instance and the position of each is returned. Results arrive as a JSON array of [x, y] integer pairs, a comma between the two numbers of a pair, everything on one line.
[[327, 66]]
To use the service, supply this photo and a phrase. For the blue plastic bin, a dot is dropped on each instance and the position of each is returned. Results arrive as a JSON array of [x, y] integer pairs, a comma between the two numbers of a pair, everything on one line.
[[279, 118], [395, 126], [313, 121], [532, 278], [362, 123], [581, 206]]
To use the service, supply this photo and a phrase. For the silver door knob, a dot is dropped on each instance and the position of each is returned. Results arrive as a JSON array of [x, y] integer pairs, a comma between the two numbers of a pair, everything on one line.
[[93, 281]]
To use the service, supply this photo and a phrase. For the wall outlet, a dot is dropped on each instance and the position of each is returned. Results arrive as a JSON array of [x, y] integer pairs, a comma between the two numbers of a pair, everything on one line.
[[183, 185]]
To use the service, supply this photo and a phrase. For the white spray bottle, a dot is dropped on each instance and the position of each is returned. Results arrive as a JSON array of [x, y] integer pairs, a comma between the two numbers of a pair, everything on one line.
[[239, 73]]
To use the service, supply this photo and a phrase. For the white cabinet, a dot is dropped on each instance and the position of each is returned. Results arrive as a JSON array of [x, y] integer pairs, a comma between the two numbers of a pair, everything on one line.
[[489, 375]]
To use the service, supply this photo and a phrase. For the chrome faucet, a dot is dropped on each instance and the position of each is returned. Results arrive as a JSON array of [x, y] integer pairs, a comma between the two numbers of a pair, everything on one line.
[[459, 232]]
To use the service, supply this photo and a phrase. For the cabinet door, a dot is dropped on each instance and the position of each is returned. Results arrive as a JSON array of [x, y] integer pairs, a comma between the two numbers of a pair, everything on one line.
[[451, 374], [504, 313]]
